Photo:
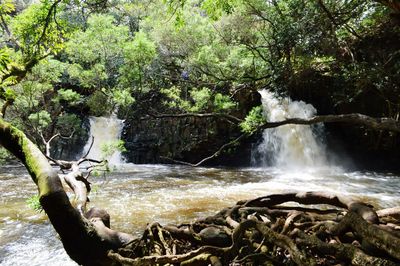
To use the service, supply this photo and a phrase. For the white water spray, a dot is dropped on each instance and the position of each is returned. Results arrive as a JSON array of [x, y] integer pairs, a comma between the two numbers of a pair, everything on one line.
[[106, 131], [289, 147]]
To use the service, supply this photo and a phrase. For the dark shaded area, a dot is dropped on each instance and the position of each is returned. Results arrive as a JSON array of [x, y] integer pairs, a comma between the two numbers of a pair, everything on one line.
[[372, 88], [188, 139]]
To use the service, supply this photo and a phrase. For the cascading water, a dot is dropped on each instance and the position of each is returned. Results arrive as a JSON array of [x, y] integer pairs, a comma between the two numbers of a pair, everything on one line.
[[180, 194], [289, 147], [106, 131]]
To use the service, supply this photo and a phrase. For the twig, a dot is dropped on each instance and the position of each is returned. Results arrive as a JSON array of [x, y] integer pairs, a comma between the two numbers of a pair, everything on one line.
[[88, 151], [214, 155]]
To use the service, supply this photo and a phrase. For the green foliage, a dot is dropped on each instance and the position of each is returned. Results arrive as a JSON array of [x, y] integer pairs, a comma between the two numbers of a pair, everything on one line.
[[109, 148], [49, 70], [35, 101], [67, 123], [138, 54], [99, 103], [216, 8], [94, 77], [253, 120], [38, 83], [141, 49], [101, 42], [201, 98], [9, 95], [69, 96], [37, 31], [199, 52], [175, 99], [7, 7], [223, 102], [96, 52], [40, 120], [34, 203], [123, 98], [4, 155], [197, 100], [4, 60]]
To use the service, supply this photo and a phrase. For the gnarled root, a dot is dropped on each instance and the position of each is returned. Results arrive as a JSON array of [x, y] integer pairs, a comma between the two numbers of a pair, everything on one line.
[[263, 232]]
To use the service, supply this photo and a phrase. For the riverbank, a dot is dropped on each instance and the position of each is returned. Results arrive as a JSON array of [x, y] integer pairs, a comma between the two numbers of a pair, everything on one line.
[[141, 194]]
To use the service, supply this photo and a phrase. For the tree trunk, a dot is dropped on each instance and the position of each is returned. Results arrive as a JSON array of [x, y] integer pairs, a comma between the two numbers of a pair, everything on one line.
[[86, 241]]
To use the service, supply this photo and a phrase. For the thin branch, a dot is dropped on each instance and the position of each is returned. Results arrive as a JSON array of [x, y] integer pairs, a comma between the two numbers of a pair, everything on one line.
[[383, 123], [331, 18], [47, 21], [90, 147], [218, 115], [80, 161], [48, 142], [214, 155], [4, 25]]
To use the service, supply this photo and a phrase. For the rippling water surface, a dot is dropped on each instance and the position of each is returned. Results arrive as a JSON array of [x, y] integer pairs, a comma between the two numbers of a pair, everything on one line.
[[136, 195]]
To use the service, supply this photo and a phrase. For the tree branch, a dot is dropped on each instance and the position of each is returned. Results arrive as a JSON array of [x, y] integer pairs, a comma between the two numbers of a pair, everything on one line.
[[307, 198], [47, 22], [205, 115], [384, 123], [212, 156], [86, 242]]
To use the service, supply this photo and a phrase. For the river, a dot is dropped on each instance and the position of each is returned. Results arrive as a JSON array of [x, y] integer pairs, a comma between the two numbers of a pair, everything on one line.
[[289, 158], [136, 195]]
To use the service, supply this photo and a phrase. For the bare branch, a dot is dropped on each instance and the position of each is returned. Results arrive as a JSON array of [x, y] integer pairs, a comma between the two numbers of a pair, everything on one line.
[[214, 155], [48, 142], [86, 242], [383, 123], [88, 151], [80, 161], [332, 18], [205, 115]]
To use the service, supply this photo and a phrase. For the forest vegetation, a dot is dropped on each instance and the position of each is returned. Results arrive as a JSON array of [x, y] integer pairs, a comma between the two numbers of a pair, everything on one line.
[[62, 61]]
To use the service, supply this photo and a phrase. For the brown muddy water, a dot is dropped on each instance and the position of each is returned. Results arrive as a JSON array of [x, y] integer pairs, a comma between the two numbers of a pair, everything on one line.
[[136, 195]]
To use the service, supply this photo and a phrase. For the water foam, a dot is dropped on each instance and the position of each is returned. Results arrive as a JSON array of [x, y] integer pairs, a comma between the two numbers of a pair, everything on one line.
[[290, 147], [105, 130]]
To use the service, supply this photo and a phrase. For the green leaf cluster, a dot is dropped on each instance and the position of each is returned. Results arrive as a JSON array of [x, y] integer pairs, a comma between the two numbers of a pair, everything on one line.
[[69, 96], [36, 30], [34, 203], [197, 100], [4, 155], [40, 119], [109, 148], [253, 121]]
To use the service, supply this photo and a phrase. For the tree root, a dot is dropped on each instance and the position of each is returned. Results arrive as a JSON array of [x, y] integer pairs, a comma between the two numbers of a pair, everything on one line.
[[263, 232]]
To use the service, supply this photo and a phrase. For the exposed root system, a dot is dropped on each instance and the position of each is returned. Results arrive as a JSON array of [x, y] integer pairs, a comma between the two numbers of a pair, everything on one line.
[[268, 231]]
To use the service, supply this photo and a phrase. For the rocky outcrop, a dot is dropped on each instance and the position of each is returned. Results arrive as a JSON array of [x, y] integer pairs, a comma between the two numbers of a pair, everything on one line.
[[71, 149], [190, 139], [368, 149]]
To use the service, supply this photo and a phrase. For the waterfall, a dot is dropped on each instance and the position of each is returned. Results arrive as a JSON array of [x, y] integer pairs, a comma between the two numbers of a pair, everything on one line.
[[106, 132], [290, 146]]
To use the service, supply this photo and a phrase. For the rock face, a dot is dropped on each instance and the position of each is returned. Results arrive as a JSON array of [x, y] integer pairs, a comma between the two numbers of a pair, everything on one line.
[[189, 139], [71, 149], [367, 149]]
